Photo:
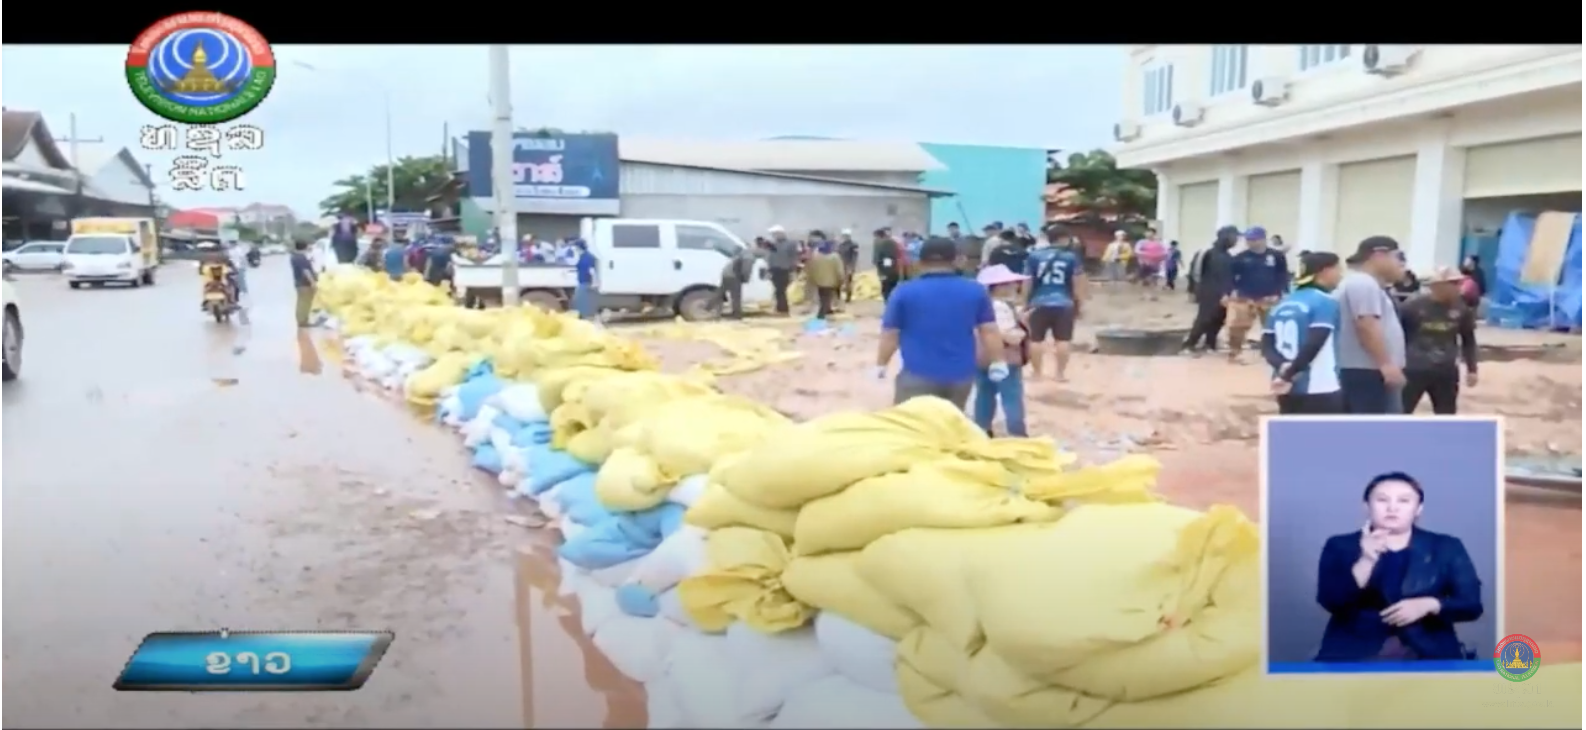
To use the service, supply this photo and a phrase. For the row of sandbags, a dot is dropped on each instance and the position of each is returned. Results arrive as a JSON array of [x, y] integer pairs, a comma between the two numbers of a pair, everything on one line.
[[992, 584]]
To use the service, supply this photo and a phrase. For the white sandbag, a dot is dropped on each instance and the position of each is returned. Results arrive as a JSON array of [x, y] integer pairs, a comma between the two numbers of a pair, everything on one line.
[[597, 604], [771, 666], [449, 408], [671, 605], [521, 401], [572, 578], [661, 705], [688, 490], [393, 381], [571, 530], [705, 682], [615, 575], [835, 702], [509, 479], [549, 504], [478, 430], [679, 556], [637, 647], [859, 654], [513, 459], [356, 345]]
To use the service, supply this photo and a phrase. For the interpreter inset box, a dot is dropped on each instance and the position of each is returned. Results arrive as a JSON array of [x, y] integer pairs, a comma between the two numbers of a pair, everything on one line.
[[1382, 543]]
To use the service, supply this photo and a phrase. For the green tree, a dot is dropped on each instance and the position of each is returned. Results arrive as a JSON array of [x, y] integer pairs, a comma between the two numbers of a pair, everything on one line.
[[1100, 186], [414, 178]]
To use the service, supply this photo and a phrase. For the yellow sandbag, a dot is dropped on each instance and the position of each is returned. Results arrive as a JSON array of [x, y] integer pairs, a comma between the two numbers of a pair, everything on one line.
[[1249, 701], [831, 582], [1170, 596], [825, 455], [568, 420], [553, 383], [621, 400], [925, 571], [951, 683], [591, 445], [690, 435], [935, 705], [743, 582], [630, 481], [718, 508], [1125, 480], [447, 370], [1549, 699], [944, 493]]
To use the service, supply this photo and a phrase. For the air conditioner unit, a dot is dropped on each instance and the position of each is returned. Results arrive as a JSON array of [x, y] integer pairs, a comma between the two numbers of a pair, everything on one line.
[[1126, 131], [1387, 60], [1270, 91], [1188, 115]]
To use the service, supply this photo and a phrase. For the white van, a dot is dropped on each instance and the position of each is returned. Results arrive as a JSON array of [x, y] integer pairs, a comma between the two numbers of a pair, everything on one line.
[[645, 264], [103, 258]]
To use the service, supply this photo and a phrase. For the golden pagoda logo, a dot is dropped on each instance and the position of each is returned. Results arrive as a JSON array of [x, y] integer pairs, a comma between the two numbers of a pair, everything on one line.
[[1517, 658], [200, 68]]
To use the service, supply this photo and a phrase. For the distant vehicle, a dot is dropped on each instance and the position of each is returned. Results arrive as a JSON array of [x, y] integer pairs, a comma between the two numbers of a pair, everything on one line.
[[323, 256], [11, 339], [36, 256], [106, 250], [644, 265]]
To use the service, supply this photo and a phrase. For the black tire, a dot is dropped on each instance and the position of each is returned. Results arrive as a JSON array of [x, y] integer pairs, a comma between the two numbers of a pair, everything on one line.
[[75, 284], [148, 277], [698, 305], [11, 366], [543, 299], [221, 315]]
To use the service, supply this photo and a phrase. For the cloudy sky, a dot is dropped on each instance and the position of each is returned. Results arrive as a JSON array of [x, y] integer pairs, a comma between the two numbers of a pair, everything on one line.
[[324, 123]]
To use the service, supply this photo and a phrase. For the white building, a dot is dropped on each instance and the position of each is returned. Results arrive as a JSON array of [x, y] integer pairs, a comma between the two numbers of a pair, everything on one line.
[[1328, 144], [111, 174]]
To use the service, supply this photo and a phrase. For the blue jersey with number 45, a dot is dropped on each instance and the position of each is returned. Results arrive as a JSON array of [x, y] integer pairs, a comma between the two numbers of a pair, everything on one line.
[[1051, 272], [1290, 324]]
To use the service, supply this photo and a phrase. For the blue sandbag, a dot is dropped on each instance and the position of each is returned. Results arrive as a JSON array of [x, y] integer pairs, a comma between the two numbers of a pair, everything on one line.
[[549, 467], [620, 537], [636, 600], [486, 458], [533, 433], [471, 395], [506, 423], [578, 501]]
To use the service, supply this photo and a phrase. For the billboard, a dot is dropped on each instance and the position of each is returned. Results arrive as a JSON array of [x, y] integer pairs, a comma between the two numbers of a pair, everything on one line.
[[572, 174]]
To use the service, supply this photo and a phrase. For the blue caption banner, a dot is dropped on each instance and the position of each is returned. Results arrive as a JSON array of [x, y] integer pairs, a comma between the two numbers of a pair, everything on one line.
[[254, 661]]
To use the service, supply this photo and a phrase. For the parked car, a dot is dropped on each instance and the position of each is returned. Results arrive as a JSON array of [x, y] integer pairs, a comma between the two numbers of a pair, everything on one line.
[[11, 339], [36, 256]]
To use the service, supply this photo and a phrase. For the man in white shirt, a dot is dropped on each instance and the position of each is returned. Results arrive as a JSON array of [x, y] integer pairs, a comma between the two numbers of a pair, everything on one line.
[[1112, 258]]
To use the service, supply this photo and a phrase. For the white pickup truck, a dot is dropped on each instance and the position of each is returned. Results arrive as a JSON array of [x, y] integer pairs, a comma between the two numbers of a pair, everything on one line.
[[645, 265]]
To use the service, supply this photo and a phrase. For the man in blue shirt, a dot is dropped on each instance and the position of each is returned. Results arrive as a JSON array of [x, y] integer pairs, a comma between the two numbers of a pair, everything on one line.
[[943, 325], [586, 298], [1260, 277], [1299, 340], [1056, 288], [438, 260], [394, 259]]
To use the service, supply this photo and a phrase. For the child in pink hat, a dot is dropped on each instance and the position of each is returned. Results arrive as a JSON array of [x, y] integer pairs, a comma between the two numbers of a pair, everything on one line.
[[1004, 286]]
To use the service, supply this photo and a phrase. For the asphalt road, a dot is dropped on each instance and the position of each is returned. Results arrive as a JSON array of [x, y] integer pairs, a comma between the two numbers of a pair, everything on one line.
[[141, 495]]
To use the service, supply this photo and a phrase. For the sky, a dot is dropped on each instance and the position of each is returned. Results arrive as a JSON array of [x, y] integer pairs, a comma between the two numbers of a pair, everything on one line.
[[325, 117]]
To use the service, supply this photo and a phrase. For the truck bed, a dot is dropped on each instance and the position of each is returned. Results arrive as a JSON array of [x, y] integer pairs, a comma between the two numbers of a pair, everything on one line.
[[487, 275]]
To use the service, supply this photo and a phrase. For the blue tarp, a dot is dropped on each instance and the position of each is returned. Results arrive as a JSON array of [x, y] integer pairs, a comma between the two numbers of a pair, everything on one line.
[[1534, 306]]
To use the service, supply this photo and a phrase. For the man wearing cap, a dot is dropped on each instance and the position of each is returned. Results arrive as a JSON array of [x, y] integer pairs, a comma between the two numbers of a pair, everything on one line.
[[1298, 340], [944, 327], [1260, 277], [1211, 277], [782, 261], [1370, 337], [1440, 331], [848, 253]]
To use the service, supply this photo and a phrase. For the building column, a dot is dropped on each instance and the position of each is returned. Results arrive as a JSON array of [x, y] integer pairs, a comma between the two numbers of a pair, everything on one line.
[[1438, 208], [1167, 222], [1232, 199], [1318, 209]]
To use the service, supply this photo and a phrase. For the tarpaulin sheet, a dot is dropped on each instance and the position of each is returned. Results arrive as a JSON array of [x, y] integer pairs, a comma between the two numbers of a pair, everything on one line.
[[1531, 305]]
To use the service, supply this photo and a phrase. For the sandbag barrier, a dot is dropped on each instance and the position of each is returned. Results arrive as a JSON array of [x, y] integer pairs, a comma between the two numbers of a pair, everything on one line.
[[893, 569]]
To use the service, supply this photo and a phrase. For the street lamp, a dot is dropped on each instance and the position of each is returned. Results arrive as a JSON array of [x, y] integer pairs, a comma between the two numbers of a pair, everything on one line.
[[390, 160]]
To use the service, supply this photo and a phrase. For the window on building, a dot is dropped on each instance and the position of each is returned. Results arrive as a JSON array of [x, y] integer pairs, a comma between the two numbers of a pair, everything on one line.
[[1229, 68], [635, 236], [1158, 90], [700, 238], [1314, 56]]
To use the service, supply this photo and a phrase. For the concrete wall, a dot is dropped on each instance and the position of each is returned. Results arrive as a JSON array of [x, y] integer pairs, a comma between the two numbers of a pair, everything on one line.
[[750, 215], [991, 184]]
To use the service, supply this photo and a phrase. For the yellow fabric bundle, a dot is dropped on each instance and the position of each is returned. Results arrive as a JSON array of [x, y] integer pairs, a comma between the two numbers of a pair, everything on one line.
[[591, 445], [447, 370], [718, 508], [743, 582], [553, 384], [832, 582], [568, 420], [630, 481], [823, 456], [944, 493], [620, 400], [690, 435]]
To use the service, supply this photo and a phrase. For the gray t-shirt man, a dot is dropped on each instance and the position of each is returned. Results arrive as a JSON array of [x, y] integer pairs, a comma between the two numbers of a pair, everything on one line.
[[1360, 295]]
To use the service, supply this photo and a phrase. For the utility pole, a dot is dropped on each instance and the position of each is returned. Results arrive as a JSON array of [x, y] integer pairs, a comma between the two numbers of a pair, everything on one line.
[[502, 181], [71, 141], [154, 203], [368, 198]]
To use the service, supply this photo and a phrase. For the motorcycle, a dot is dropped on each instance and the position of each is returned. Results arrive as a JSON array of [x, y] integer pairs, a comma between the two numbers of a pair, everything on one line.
[[220, 292], [254, 257]]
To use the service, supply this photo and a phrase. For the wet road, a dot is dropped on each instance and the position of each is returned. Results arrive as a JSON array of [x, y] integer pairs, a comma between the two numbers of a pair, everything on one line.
[[142, 496]]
